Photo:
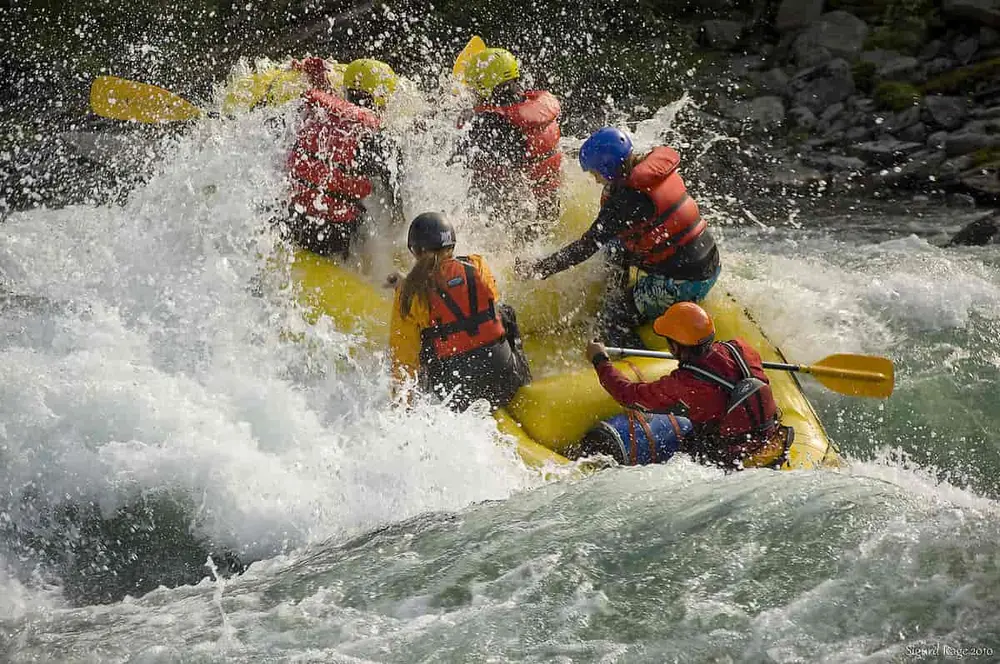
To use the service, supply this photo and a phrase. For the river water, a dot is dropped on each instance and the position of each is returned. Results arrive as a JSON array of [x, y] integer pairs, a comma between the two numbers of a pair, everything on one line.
[[162, 401]]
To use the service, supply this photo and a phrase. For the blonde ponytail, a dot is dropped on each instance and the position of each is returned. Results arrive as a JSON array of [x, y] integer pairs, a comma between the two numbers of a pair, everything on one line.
[[422, 278]]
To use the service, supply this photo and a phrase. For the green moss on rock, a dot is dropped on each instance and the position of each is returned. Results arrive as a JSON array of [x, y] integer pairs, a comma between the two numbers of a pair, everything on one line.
[[895, 95], [798, 136], [987, 158], [962, 79]]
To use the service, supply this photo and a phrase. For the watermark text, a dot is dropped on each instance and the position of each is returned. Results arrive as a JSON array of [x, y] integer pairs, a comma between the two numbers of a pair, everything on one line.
[[943, 650]]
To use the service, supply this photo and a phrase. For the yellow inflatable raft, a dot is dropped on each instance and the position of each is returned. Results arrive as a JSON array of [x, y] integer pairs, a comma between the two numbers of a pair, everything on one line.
[[565, 400]]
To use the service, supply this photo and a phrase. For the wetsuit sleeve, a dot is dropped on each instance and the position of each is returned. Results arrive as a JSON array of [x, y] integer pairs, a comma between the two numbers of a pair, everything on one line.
[[623, 208], [485, 274], [379, 157], [404, 339], [494, 140], [660, 395]]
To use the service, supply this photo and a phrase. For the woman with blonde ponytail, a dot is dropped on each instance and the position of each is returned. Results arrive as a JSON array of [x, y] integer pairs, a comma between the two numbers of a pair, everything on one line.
[[448, 329]]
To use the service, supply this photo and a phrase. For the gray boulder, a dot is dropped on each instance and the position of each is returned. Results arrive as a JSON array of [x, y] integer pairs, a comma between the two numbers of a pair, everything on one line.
[[794, 173], [795, 14], [802, 117], [988, 37], [820, 87], [985, 230], [896, 122], [734, 110], [922, 165], [990, 113], [858, 135], [720, 34], [947, 112], [915, 133], [938, 66], [772, 82], [819, 143], [861, 104], [982, 183], [807, 53], [963, 201], [767, 111], [950, 170], [837, 162], [900, 67], [828, 114], [839, 32], [744, 65], [986, 12], [885, 152], [878, 56], [966, 141], [932, 49], [936, 140], [965, 48]]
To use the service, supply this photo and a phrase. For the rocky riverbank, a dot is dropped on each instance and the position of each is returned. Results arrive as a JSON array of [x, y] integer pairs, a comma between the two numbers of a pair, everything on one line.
[[869, 96], [794, 100]]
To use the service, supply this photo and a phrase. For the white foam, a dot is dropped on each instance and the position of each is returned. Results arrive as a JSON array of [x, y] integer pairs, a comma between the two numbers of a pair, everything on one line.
[[18, 599], [893, 466], [157, 369]]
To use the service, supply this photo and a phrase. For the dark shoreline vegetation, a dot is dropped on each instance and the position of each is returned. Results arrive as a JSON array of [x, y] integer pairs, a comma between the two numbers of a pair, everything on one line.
[[831, 101], [861, 98]]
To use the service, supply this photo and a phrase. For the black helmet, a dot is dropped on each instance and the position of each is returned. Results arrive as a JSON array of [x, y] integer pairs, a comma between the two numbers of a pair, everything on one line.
[[430, 231]]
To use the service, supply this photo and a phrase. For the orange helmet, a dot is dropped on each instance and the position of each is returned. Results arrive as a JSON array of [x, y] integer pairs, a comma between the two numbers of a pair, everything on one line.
[[686, 323]]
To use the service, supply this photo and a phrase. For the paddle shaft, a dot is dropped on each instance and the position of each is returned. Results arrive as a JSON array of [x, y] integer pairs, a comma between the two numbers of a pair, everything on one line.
[[780, 366], [662, 355]]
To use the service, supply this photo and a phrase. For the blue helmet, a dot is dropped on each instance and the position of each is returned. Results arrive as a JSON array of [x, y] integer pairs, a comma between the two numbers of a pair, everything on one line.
[[605, 152]]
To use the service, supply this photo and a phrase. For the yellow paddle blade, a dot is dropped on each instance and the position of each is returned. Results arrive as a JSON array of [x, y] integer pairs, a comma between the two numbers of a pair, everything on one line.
[[274, 86], [121, 99], [475, 45], [855, 375]]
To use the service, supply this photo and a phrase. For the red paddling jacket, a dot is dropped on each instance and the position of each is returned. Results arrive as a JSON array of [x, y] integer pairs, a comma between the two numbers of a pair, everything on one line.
[[725, 393], [327, 182]]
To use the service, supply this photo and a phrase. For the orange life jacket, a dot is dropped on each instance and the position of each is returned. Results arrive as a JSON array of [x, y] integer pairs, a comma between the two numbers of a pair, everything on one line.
[[537, 118], [463, 315], [322, 165], [676, 221]]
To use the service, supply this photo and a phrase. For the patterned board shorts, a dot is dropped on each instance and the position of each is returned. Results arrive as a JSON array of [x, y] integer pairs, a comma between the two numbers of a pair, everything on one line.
[[654, 293]]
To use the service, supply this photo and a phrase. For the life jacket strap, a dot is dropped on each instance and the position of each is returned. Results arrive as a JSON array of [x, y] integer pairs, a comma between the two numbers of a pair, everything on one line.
[[659, 220], [740, 391]]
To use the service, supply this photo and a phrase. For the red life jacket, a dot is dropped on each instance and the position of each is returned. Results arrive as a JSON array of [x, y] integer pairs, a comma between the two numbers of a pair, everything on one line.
[[463, 314], [322, 165], [676, 222], [751, 414], [536, 116]]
